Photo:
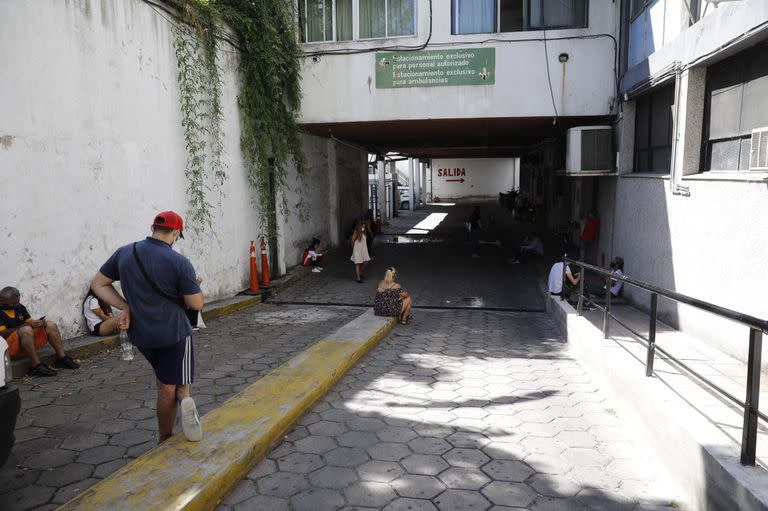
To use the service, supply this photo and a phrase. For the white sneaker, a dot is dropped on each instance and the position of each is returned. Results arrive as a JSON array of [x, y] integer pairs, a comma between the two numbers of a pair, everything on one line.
[[316, 270], [190, 422]]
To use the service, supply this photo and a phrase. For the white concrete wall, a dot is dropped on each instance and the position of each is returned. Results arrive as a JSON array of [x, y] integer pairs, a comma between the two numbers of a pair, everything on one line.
[[308, 214], [710, 244], [483, 177], [92, 147], [341, 88]]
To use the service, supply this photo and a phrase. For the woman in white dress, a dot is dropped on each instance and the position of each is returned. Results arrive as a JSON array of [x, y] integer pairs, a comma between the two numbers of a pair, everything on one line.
[[359, 251]]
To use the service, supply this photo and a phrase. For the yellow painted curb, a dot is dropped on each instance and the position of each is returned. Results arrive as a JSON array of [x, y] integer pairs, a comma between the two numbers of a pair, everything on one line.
[[181, 475], [231, 307]]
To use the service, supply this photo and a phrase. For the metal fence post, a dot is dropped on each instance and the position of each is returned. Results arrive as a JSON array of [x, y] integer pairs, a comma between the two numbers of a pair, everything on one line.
[[749, 432], [606, 316], [651, 336], [580, 304]]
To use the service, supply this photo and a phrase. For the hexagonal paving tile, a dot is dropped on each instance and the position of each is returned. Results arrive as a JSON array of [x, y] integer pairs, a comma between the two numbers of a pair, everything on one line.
[[507, 470], [387, 451], [327, 428], [396, 434], [467, 458], [468, 439], [429, 445], [464, 478], [417, 486], [346, 456], [300, 463], [282, 484], [369, 493], [461, 500], [357, 439], [405, 504], [315, 444], [379, 471], [424, 464], [317, 499], [553, 486], [333, 477], [509, 494]]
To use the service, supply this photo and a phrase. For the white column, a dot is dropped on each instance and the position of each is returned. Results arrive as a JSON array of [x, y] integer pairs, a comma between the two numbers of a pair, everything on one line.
[[411, 188], [423, 183], [382, 189], [627, 138], [689, 121], [417, 183]]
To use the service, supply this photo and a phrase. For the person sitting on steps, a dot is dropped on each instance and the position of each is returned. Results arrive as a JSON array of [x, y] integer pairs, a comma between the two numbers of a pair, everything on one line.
[[391, 299], [530, 248], [555, 282], [26, 335], [98, 316], [313, 256]]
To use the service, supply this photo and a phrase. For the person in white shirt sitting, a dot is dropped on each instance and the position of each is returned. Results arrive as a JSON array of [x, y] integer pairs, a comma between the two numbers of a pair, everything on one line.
[[99, 316], [556, 280]]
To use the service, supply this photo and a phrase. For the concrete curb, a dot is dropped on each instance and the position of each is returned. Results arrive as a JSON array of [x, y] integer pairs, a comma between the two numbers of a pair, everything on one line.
[[180, 475], [704, 461], [88, 345]]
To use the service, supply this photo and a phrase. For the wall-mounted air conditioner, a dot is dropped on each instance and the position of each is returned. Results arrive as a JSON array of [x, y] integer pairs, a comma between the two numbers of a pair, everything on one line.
[[589, 150], [758, 152]]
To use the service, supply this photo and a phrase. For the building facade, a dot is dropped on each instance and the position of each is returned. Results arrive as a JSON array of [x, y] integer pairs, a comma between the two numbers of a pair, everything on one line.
[[680, 85]]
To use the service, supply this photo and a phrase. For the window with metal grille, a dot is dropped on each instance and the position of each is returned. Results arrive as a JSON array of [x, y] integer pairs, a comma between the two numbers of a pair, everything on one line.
[[653, 131], [736, 102]]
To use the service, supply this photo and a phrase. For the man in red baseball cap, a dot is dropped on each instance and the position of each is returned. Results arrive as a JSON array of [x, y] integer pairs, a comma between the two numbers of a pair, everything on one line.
[[170, 220], [159, 284]]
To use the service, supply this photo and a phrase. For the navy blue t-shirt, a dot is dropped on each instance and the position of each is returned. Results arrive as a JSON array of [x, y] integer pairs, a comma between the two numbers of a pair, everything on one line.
[[155, 320]]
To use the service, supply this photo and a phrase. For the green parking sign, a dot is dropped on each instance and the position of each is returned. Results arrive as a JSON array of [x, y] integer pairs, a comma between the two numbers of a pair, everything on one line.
[[435, 68]]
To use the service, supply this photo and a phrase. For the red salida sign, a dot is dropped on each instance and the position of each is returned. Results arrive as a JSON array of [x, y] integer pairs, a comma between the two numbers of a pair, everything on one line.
[[455, 172]]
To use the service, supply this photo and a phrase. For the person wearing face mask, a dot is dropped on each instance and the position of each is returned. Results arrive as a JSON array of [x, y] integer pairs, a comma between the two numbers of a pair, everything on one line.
[[158, 284]]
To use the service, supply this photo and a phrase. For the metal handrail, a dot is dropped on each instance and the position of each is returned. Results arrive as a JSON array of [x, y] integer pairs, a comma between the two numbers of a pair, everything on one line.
[[739, 317], [757, 327]]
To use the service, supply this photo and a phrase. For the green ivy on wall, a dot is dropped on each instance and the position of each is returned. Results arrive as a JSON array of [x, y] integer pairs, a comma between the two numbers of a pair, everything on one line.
[[269, 101]]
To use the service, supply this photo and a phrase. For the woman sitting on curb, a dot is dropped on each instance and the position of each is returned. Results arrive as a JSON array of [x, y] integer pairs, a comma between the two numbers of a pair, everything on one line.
[[98, 316], [391, 299]]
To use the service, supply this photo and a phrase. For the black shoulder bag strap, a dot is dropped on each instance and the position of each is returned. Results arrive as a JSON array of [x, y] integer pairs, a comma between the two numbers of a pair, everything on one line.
[[175, 299]]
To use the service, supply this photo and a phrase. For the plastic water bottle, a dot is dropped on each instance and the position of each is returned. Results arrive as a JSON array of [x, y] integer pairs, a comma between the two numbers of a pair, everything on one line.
[[125, 345]]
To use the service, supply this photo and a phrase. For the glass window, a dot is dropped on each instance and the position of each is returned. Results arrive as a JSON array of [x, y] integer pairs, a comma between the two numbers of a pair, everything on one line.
[[474, 16], [489, 16], [317, 21], [400, 17], [344, 20], [546, 14], [653, 130], [736, 102], [511, 16], [386, 18], [333, 20], [373, 19]]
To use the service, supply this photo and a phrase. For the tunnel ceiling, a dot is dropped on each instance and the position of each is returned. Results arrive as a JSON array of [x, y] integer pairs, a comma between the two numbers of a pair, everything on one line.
[[452, 138]]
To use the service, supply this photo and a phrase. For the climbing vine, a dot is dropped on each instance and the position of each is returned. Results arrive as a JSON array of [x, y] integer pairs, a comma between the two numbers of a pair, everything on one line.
[[263, 32]]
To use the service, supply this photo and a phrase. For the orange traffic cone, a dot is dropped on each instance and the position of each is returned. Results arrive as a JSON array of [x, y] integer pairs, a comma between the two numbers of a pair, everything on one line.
[[266, 280], [254, 289]]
